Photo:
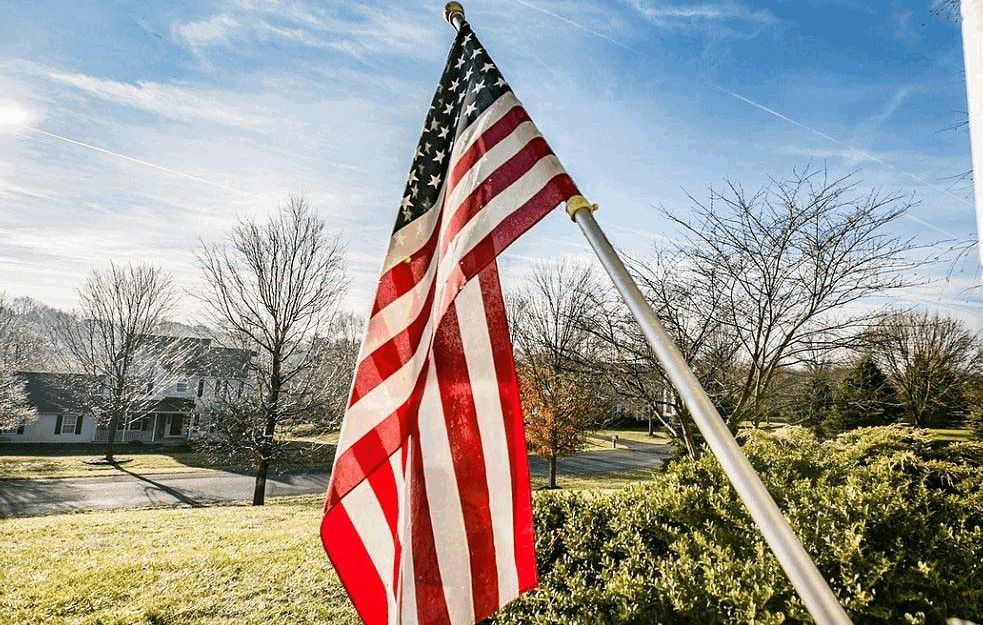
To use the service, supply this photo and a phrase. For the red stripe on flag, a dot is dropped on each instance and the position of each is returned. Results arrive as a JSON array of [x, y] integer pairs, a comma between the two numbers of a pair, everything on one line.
[[460, 414], [376, 446], [431, 604], [402, 277], [499, 180], [390, 357], [488, 139], [508, 390], [347, 552]]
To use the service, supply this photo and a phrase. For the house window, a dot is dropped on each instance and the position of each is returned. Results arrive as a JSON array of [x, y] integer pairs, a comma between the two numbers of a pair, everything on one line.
[[137, 424], [68, 424], [20, 428], [201, 387], [181, 387]]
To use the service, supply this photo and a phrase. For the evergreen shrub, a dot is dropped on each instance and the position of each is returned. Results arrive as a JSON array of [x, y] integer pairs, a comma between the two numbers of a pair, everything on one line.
[[892, 519]]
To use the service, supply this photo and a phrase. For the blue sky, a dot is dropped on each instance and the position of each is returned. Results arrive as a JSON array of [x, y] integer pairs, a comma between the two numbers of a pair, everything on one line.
[[129, 130]]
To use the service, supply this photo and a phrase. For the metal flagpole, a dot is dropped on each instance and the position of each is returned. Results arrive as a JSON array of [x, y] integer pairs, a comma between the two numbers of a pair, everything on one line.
[[972, 27], [806, 578]]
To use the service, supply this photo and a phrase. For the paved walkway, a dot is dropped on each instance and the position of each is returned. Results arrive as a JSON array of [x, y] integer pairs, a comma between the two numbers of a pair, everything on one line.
[[131, 490]]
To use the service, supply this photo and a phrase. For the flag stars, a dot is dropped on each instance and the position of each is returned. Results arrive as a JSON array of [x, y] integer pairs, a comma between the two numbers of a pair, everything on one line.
[[454, 84], [434, 124], [434, 182], [467, 39], [413, 177], [478, 86], [460, 62], [449, 108], [443, 132], [500, 82], [438, 156], [468, 73], [407, 208], [470, 108], [487, 66], [476, 52]]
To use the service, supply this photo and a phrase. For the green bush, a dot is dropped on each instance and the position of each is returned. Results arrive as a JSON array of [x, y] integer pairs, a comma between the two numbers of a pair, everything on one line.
[[892, 519]]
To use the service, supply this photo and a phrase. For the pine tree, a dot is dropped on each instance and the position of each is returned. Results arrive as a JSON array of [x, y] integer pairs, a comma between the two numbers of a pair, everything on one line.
[[864, 398]]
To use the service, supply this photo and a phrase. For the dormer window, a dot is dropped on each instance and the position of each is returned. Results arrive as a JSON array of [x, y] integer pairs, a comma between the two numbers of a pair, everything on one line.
[[181, 387]]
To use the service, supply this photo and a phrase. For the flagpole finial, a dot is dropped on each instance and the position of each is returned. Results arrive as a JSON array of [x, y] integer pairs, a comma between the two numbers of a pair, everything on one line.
[[454, 14], [577, 203]]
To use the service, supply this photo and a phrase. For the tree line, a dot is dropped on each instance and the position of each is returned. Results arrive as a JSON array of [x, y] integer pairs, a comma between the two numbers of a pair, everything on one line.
[[274, 290], [772, 297], [767, 293]]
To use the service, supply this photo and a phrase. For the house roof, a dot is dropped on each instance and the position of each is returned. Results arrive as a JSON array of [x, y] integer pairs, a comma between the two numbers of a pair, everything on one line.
[[58, 392], [197, 357], [181, 405], [229, 363]]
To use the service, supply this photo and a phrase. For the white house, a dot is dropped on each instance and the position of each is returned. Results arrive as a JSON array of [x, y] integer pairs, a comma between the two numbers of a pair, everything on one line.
[[170, 413]]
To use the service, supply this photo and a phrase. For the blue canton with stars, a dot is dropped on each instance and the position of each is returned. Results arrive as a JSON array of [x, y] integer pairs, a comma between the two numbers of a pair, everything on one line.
[[469, 85]]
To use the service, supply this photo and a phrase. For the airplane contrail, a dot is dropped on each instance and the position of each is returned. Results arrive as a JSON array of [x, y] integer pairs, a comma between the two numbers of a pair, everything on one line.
[[139, 162]]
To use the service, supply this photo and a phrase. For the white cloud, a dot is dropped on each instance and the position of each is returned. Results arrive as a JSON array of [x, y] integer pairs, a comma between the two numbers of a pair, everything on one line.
[[170, 101], [369, 30], [700, 14]]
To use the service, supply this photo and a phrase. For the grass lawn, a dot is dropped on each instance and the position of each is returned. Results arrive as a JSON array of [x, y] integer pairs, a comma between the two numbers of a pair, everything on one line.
[[220, 565], [207, 566], [37, 466], [41, 461]]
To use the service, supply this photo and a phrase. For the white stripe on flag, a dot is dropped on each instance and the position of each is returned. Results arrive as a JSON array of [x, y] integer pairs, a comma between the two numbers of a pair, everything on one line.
[[476, 341], [450, 537]]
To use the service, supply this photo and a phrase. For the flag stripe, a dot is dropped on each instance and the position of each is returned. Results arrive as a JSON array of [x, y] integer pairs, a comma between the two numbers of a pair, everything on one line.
[[461, 420], [350, 559], [497, 131], [501, 179], [426, 578], [478, 314], [404, 276], [390, 357], [524, 543], [446, 515]]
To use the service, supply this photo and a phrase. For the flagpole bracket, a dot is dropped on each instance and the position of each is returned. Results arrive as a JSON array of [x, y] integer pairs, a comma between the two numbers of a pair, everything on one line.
[[454, 14], [578, 203]]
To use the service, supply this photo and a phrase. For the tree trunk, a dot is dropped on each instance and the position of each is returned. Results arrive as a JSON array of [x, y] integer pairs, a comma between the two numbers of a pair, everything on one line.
[[266, 447], [552, 481], [111, 437], [259, 492]]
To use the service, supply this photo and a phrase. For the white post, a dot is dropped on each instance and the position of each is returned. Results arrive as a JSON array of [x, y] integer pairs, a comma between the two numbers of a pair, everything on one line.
[[808, 582], [972, 22]]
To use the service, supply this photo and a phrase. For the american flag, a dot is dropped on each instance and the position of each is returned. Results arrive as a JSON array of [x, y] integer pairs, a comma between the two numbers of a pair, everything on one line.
[[428, 513]]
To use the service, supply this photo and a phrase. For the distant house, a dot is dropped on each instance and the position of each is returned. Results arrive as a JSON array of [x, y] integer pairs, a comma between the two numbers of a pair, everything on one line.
[[61, 400], [64, 400]]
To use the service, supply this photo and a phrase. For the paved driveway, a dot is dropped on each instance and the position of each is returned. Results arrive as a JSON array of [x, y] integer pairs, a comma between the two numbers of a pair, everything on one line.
[[129, 490]]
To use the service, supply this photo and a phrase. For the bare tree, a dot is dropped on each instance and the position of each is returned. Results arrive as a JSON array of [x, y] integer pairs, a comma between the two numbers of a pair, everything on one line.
[[15, 407], [562, 396], [112, 337], [931, 360], [761, 280], [276, 288], [25, 342]]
